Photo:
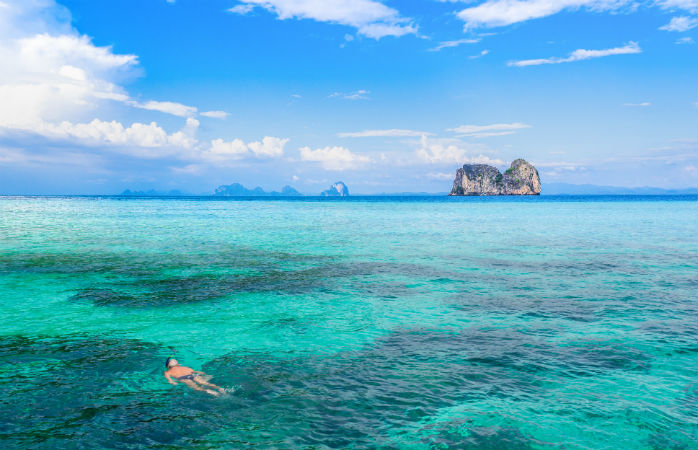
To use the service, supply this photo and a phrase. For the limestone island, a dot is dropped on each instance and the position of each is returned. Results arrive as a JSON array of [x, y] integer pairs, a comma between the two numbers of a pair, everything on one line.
[[338, 189], [521, 178]]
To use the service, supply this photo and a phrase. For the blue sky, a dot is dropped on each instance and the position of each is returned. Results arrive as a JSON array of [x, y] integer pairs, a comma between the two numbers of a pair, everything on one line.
[[388, 96]]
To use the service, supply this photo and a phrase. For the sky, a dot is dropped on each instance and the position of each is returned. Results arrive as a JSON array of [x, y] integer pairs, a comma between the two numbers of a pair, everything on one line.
[[388, 96]]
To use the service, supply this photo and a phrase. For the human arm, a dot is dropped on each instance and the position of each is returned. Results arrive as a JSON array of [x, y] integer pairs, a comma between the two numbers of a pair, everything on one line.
[[169, 378]]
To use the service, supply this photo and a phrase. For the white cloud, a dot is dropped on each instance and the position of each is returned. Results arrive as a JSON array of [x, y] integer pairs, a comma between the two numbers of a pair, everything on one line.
[[496, 13], [237, 149], [57, 80], [379, 30], [481, 131], [269, 147], [113, 133], [174, 108], [56, 77], [241, 9], [686, 5], [334, 158], [456, 43], [685, 40], [371, 18], [680, 24], [393, 132], [479, 55], [450, 151], [441, 176], [641, 104], [215, 114], [361, 94], [581, 54]]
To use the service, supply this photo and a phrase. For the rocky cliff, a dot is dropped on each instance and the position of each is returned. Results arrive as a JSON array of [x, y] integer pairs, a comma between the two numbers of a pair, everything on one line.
[[338, 189], [521, 178]]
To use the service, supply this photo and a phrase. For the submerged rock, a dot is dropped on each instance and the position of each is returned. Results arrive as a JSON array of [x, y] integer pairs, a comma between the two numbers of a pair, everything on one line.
[[339, 189], [521, 178]]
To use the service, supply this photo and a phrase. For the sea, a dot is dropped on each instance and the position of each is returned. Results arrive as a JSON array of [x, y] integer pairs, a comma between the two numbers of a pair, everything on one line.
[[442, 322]]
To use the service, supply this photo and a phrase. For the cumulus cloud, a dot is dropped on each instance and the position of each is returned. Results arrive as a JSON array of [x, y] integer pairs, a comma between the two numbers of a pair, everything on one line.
[[55, 85], [497, 13], [680, 24], [56, 81], [334, 158], [481, 131], [114, 134], [237, 149], [450, 151], [684, 40], [581, 54], [371, 18], [269, 147], [393, 132], [53, 77]]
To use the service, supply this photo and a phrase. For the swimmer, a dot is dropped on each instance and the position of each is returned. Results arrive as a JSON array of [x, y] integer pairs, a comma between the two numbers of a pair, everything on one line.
[[192, 378]]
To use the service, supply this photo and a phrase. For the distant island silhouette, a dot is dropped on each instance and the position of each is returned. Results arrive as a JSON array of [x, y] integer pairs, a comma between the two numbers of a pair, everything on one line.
[[238, 190], [340, 189]]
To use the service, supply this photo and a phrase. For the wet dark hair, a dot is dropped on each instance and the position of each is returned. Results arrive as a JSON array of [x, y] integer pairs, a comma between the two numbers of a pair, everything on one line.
[[167, 362]]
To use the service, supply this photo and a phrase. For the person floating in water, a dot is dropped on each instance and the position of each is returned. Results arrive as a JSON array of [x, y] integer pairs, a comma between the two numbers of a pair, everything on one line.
[[192, 378]]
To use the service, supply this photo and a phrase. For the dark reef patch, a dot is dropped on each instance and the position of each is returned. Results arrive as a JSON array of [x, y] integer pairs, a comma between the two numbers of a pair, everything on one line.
[[89, 392], [145, 264], [68, 392], [353, 399], [152, 291], [454, 435]]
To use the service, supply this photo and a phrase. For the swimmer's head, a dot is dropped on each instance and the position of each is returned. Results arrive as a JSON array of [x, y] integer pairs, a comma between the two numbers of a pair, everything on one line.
[[171, 362]]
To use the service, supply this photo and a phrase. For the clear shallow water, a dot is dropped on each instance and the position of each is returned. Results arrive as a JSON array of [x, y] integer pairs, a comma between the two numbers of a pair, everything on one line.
[[545, 323]]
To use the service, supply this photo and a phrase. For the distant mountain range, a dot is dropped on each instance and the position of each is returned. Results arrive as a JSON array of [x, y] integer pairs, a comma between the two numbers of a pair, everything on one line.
[[238, 190]]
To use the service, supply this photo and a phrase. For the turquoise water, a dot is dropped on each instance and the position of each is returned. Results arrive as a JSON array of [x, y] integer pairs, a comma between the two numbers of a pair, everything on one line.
[[543, 323]]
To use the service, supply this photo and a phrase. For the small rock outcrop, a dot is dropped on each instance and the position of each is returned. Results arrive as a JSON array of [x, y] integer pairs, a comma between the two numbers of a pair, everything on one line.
[[339, 189], [521, 178]]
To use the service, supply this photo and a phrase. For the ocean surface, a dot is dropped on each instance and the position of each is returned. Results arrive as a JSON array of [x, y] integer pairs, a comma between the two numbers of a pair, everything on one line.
[[366, 322]]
